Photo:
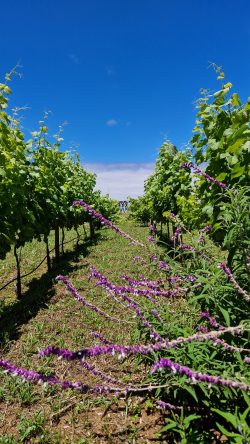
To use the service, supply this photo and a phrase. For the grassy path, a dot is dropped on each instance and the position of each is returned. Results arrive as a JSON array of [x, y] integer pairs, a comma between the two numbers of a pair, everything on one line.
[[35, 413]]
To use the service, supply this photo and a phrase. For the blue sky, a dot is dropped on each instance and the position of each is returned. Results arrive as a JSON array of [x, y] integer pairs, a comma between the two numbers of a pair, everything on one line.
[[124, 74]]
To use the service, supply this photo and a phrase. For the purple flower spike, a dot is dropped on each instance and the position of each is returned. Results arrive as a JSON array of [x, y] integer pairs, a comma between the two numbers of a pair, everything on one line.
[[207, 229], [212, 321], [206, 176], [176, 220], [126, 350], [191, 278], [195, 376], [204, 230], [176, 233], [166, 406], [153, 229], [105, 221], [79, 298], [31, 375], [121, 292], [101, 338], [235, 284], [151, 239], [138, 259], [186, 247], [175, 279], [163, 265]]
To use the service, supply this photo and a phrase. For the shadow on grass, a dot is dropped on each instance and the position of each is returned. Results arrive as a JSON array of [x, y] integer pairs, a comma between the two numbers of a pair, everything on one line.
[[39, 293], [164, 242]]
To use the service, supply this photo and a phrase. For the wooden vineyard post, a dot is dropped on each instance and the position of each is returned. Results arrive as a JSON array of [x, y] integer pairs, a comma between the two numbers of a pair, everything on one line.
[[57, 244], [18, 275], [47, 254]]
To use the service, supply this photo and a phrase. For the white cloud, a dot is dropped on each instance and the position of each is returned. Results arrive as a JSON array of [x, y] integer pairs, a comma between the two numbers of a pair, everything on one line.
[[121, 180], [111, 122]]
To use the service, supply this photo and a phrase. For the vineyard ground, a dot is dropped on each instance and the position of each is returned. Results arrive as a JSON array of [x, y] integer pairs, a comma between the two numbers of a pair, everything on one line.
[[49, 315]]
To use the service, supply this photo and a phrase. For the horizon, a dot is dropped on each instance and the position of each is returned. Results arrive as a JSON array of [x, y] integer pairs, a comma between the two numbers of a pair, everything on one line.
[[112, 176]]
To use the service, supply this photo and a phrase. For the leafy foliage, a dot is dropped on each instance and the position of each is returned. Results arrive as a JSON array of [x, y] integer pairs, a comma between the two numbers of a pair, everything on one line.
[[38, 183], [222, 142], [191, 313]]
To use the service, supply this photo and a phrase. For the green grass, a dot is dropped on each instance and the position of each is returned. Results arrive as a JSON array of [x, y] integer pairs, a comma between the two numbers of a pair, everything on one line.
[[47, 314]]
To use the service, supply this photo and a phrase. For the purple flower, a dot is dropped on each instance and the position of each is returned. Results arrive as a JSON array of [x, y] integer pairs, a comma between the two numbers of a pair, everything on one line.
[[190, 278], [202, 329], [201, 239], [173, 216], [166, 406], [154, 285], [105, 221], [138, 259], [196, 376], [212, 321], [235, 284], [121, 292], [92, 369], [163, 265], [198, 171], [176, 233], [126, 350], [31, 375], [101, 338], [186, 247], [79, 298], [176, 220], [151, 239], [175, 279], [152, 229], [207, 229], [156, 314], [229, 347]]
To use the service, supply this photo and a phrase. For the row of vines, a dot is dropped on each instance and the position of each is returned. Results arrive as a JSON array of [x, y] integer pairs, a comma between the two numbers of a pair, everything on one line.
[[207, 183], [197, 203], [38, 184], [187, 299]]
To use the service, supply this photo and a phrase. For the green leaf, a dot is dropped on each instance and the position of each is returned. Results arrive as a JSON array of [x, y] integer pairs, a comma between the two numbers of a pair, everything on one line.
[[246, 146], [192, 392], [235, 100], [236, 146], [227, 416], [208, 209], [237, 171], [234, 160], [226, 432], [245, 414], [190, 418], [246, 398], [218, 93], [221, 176], [225, 315], [170, 426]]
